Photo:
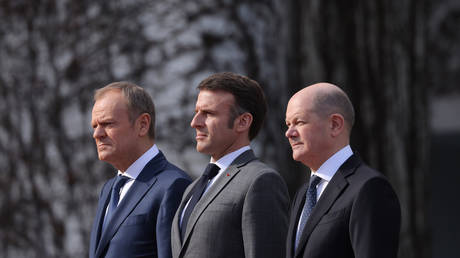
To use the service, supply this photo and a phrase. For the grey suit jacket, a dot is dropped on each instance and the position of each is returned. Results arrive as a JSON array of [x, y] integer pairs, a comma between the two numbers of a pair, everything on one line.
[[243, 214]]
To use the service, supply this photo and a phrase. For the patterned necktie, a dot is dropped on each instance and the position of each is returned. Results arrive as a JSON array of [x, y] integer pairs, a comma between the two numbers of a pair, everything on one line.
[[210, 172], [114, 198], [310, 203]]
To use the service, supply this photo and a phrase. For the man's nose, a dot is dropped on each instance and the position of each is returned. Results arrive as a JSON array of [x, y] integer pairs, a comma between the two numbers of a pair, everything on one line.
[[290, 132], [98, 132]]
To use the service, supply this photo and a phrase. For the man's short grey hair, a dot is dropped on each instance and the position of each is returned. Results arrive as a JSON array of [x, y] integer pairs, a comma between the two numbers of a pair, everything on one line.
[[138, 100], [335, 101]]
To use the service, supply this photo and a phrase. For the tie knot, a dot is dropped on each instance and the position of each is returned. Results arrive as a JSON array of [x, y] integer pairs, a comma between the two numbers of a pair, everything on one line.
[[211, 170], [314, 180], [120, 181]]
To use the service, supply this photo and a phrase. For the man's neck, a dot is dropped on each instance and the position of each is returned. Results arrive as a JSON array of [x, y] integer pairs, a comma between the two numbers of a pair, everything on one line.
[[142, 148], [235, 146]]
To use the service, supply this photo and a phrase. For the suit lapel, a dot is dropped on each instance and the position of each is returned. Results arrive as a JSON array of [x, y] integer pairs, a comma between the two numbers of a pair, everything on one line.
[[333, 190], [295, 216], [175, 234], [216, 188], [145, 180], [104, 200]]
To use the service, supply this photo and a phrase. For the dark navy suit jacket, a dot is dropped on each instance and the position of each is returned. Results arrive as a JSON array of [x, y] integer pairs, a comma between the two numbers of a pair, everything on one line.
[[141, 225], [357, 216]]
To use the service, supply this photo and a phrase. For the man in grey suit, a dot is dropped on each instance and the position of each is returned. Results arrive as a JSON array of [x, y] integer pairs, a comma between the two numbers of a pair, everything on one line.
[[241, 211]]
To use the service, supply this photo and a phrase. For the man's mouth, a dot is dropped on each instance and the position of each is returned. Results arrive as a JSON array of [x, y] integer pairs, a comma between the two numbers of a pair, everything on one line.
[[296, 144], [200, 135]]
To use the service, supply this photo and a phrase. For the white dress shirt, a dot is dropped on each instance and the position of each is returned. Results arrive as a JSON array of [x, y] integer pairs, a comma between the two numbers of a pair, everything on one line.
[[223, 163], [135, 169], [330, 167], [328, 170]]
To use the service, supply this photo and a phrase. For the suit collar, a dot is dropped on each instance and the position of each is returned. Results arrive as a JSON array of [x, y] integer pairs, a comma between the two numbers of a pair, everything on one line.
[[216, 188], [141, 185], [103, 202], [135, 169], [333, 190], [228, 159], [327, 170], [296, 210]]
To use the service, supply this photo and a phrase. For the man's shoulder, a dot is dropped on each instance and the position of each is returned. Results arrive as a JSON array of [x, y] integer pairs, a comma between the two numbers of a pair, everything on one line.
[[261, 166], [365, 177], [365, 172], [260, 179], [257, 169], [163, 170], [172, 171], [354, 168], [169, 178]]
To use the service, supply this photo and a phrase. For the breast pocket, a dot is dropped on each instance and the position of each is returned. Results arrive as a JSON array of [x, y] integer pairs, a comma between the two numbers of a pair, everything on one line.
[[137, 220], [333, 217]]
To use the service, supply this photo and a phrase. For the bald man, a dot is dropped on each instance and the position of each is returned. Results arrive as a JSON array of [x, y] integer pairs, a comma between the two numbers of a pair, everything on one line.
[[347, 209]]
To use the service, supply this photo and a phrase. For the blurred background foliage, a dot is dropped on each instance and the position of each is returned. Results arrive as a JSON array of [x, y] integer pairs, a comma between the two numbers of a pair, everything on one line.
[[398, 60]]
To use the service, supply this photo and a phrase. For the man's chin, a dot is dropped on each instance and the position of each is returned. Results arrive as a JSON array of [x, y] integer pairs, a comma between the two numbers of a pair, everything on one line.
[[103, 156], [201, 148], [296, 156]]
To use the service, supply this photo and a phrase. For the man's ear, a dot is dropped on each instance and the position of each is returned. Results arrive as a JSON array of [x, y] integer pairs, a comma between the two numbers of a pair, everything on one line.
[[243, 122], [337, 124], [143, 124]]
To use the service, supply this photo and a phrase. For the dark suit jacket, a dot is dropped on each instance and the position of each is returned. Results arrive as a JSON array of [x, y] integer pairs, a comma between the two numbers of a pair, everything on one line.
[[243, 214], [358, 215], [141, 224]]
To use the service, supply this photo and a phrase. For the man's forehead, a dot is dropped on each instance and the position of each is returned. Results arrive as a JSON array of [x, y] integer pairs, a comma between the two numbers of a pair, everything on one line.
[[110, 101], [300, 110], [109, 110], [296, 106], [214, 98]]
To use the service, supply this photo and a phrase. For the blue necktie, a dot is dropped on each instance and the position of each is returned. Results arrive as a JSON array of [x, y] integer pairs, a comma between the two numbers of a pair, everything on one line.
[[210, 172], [114, 198], [310, 203]]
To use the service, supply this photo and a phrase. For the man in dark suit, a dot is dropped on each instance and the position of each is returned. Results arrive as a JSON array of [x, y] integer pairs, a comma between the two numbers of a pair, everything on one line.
[[348, 209], [137, 206], [239, 209]]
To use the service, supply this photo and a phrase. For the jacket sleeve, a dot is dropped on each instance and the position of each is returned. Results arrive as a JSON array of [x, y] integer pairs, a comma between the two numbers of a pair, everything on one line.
[[375, 221], [169, 205]]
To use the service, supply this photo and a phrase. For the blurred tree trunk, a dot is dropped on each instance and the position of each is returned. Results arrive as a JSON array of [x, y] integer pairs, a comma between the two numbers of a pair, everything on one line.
[[54, 53], [375, 50]]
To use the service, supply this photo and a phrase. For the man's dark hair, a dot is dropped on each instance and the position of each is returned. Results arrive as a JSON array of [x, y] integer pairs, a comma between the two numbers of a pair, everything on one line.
[[249, 97]]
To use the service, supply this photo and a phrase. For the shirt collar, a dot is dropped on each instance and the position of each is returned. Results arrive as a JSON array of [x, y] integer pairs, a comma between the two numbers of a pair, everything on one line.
[[135, 169], [330, 167], [224, 162]]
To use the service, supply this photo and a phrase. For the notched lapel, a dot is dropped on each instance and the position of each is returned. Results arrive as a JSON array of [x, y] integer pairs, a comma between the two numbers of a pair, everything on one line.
[[101, 211], [333, 190], [295, 216], [209, 196], [175, 234], [327, 199], [216, 188], [140, 187]]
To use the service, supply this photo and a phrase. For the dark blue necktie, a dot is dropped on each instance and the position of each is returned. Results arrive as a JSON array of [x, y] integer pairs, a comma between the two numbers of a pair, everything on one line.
[[310, 202], [210, 172], [114, 198]]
